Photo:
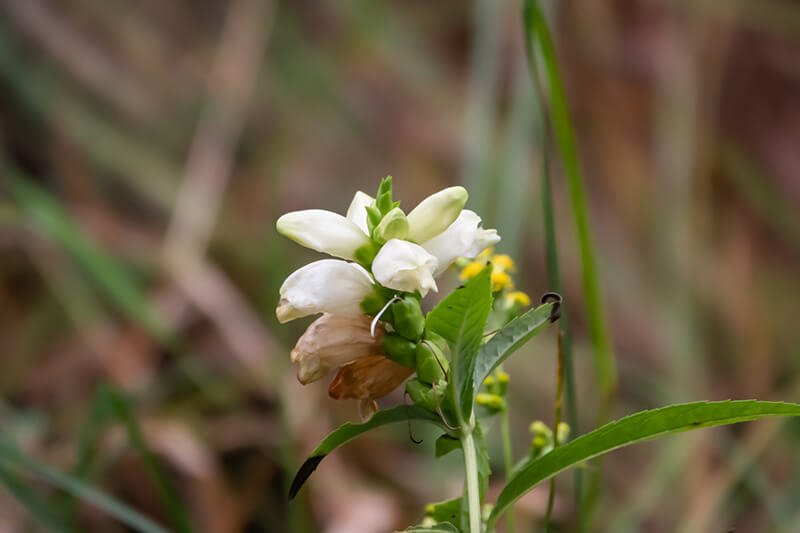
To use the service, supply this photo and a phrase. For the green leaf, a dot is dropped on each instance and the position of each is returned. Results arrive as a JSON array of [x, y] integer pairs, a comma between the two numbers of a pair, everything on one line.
[[10, 456], [446, 511], [349, 431], [635, 428], [509, 339], [460, 319], [536, 30], [446, 444]]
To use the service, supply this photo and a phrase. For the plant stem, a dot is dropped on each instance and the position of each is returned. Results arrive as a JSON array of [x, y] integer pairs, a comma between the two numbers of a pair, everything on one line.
[[471, 468], [508, 463], [559, 400]]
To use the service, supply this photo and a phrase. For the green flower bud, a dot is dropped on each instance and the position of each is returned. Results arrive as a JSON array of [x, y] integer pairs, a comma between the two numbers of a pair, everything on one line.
[[393, 225], [540, 428], [431, 365], [400, 350], [562, 432], [373, 303], [492, 402], [408, 319], [424, 395]]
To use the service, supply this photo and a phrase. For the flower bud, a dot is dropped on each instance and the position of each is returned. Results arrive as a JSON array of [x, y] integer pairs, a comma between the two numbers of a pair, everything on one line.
[[400, 350], [562, 432], [393, 225], [422, 394], [493, 402], [405, 266], [435, 213], [332, 341], [407, 316], [431, 366]]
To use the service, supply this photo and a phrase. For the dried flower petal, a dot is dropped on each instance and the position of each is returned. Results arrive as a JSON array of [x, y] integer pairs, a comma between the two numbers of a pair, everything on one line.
[[332, 341], [368, 378]]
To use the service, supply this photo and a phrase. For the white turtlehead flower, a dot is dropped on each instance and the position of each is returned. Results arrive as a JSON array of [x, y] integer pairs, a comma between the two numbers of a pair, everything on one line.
[[435, 213], [325, 286], [329, 232], [405, 266], [464, 238]]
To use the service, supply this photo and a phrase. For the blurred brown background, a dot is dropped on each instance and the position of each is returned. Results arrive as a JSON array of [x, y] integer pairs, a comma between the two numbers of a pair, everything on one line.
[[148, 147]]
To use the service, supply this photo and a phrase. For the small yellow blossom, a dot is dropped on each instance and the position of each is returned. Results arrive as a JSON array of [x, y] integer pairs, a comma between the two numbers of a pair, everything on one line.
[[503, 263], [489, 381], [471, 270], [518, 298], [500, 280], [491, 401], [502, 377]]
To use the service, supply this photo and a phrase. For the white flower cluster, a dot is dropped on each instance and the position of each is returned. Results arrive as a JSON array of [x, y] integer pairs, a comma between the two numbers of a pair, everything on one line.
[[412, 251]]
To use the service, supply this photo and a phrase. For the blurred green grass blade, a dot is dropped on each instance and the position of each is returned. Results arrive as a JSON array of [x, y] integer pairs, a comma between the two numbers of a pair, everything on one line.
[[762, 194], [11, 456], [536, 30], [110, 406], [554, 269], [632, 429], [116, 282], [37, 508], [169, 496]]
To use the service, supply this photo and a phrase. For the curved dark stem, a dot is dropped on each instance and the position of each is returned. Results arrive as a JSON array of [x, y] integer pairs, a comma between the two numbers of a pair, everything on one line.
[[408, 421], [556, 300]]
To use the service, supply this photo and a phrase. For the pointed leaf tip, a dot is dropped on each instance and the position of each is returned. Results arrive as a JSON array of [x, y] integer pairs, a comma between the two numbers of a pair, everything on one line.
[[303, 474]]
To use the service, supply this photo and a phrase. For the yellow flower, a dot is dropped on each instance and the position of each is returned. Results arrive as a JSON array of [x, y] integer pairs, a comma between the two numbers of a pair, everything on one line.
[[471, 270], [503, 263], [500, 280], [518, 298]]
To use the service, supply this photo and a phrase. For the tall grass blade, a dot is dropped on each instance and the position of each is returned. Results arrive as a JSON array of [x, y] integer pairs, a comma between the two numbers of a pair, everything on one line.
[[537, 32], [38, 509], [10, 456]]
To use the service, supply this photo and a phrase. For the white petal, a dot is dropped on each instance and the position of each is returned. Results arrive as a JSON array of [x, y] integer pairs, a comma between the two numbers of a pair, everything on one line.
[[357, 212], [405, 266], [435, 213], [326, 286], [323, 231], [464, 238]]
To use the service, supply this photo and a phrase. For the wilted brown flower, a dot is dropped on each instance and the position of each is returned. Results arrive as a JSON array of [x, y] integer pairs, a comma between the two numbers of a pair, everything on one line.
[[333, 341], [368, 379]]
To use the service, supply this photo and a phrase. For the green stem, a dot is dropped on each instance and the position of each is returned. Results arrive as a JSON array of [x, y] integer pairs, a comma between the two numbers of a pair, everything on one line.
[[508, 463], [473, 490], [553, 270], [551, 498]]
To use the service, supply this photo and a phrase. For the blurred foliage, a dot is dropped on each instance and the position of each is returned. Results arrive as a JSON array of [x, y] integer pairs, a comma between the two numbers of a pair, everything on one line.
[[148, 148]]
